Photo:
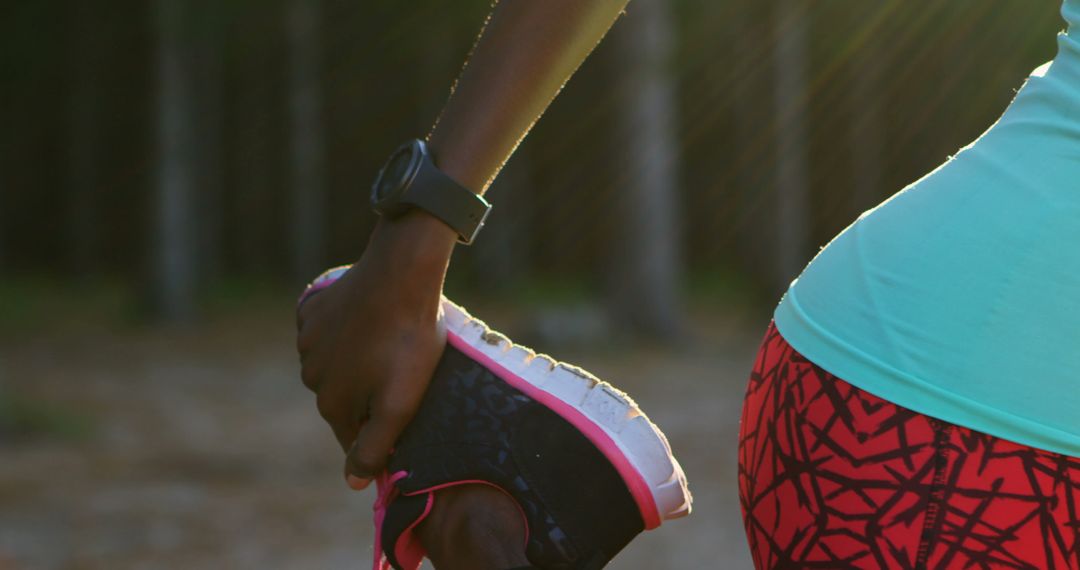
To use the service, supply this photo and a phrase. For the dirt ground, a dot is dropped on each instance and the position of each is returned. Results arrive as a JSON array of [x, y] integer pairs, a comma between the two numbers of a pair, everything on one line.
[[199, 448]]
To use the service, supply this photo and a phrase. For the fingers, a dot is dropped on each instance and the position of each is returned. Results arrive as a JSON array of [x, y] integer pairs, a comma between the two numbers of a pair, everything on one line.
[[305, 339], [309, 374], [303, 308], [306, 310], [341, 419], [367, 455], [304, 302]]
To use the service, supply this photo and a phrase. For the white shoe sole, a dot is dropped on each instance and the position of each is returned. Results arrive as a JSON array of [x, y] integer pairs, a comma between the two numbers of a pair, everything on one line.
[[607, 416]]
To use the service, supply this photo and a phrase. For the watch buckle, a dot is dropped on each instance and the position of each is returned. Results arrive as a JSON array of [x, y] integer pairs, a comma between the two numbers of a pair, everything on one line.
[[472, 236]]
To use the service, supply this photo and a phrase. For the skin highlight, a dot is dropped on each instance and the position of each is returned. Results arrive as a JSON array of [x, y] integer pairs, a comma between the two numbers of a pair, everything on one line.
[[370, 342]]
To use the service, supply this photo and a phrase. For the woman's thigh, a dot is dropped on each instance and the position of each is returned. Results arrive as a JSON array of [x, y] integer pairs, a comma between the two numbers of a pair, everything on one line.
[[831, 476]]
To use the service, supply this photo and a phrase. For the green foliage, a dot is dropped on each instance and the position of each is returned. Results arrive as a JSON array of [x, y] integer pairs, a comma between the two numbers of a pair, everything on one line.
[[725, 287], [23, 418], [944, 71], [244, 293], [30, 304], [538, 292]]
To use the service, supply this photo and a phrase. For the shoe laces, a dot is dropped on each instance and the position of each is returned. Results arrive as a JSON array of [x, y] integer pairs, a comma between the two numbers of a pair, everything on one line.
[[386, 492]]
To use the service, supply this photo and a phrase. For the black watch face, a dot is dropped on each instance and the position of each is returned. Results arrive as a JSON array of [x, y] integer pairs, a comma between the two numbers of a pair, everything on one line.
[[395, 174]]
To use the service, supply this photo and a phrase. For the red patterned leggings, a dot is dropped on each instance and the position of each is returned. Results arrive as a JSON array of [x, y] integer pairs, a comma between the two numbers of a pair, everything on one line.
[[833, 477]]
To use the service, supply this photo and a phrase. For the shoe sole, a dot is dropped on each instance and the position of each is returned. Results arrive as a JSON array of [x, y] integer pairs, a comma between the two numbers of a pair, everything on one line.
[[608, 417]]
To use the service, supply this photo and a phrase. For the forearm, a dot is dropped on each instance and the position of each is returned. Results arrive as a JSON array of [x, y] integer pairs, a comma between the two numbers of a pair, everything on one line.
[[526, 53], [370, 343]]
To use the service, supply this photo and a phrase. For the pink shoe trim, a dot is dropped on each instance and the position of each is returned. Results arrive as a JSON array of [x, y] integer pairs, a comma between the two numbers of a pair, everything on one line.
[[433, 489], [635, 482], [312, 289], [324, 280], [384, 485], [408, 550]]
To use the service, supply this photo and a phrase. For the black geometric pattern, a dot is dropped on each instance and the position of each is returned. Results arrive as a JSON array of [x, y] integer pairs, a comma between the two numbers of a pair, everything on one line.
[[831, 476], [473, 426]]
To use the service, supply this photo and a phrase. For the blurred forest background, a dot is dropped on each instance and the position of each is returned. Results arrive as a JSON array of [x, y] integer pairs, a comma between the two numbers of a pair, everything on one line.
[[194, 163], [171, 147]]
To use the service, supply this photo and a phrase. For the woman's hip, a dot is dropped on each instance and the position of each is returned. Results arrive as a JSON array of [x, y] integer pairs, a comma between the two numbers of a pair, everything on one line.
[[831, 474]]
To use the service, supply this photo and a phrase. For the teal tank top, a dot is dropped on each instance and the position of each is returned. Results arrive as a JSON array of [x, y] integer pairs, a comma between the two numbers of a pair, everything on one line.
[[959, 297]]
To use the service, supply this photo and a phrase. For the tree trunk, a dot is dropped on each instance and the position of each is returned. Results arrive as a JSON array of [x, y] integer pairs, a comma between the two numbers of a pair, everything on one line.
[[751, 112], [647, 266], [308, 188], [255, 182], [867, 125], [209, 100], [792, 174], [499, 257], [173, 256], [83, 240]]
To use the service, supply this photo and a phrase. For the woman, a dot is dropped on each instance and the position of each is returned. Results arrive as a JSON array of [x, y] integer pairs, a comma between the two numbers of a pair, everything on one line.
[[951, 312], [915, 403]]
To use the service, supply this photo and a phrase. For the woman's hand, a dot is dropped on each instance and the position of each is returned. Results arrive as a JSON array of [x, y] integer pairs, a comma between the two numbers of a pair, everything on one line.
[[370, 342]]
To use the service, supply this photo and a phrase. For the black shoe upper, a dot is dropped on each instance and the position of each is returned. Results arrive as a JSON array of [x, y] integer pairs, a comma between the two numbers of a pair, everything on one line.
[[472, 425]]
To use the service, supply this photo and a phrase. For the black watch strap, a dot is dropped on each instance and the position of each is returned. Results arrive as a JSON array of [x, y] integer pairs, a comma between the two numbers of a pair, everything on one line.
[[441, 196]]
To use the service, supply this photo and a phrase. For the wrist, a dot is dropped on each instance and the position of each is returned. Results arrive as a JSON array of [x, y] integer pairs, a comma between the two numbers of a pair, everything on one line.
[[461, 165], [410, 180], [416, 240]]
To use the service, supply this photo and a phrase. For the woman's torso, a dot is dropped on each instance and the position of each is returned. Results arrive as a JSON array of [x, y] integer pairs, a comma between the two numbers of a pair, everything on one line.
[[959, 297]]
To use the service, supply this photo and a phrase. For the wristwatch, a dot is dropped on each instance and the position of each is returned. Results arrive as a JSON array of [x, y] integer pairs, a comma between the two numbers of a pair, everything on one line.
[[410, 179]]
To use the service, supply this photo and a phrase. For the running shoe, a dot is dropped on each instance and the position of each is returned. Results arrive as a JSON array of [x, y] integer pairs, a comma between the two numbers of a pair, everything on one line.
[[586, 467]]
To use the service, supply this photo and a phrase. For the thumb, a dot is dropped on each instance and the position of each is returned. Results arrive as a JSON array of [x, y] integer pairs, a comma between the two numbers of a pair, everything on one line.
[[370, 451]]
